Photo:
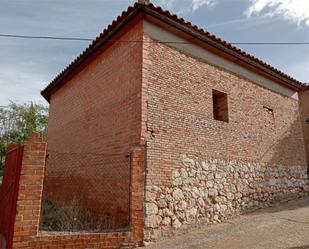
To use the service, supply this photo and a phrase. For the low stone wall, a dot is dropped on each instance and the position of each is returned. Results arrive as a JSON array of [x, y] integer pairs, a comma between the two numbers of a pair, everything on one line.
[[212, 190]]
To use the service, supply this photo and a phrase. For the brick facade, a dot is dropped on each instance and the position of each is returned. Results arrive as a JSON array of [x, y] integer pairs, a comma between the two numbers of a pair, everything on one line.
[[132, 131], [94, 121], [263, 133]]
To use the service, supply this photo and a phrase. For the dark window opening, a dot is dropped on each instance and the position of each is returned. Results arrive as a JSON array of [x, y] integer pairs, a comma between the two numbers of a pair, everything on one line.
[[269, 115], [220, 106]]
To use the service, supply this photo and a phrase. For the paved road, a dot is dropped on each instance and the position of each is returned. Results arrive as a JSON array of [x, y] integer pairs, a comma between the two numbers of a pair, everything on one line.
[[283, 226]]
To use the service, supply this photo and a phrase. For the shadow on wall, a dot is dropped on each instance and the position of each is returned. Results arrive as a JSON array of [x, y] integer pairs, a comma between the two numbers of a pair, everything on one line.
[[287, 146], [286, 171], [216, 189], [89, 190]]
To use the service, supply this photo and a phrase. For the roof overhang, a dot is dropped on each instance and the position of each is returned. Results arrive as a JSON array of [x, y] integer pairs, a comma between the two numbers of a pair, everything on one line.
[[181, 27], [228, 53]]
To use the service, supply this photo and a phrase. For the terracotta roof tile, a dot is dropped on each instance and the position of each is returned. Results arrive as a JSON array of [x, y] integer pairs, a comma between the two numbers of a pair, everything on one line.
[[137, 7]]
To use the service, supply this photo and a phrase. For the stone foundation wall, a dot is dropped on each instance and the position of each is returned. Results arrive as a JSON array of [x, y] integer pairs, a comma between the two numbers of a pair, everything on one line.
[[212, 190]]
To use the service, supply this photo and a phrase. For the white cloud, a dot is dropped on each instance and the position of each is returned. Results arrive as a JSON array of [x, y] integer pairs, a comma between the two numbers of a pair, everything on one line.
[[196, 4], [296, 11], [20, 85], [186, 6]]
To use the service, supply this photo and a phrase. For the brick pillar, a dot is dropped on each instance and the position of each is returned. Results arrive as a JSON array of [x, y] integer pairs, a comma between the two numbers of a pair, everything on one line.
[[304, 114], [30, 191], [137, 193]]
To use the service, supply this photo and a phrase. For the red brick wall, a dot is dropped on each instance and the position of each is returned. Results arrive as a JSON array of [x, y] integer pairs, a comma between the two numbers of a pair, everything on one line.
[[95, 118], [30, 190], [304, 109], [180, 116], [26, 229], [197, 167]]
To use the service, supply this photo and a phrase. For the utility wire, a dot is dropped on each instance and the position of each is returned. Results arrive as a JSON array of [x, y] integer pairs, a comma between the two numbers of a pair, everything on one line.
[[46, 37], [135, 41], [270, 43]]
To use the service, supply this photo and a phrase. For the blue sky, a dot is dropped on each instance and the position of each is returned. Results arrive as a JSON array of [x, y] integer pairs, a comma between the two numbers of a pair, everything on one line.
[[27, 66]]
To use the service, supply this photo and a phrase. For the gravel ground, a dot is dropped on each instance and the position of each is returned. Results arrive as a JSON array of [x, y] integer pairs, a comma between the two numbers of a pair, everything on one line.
[[285, 225]]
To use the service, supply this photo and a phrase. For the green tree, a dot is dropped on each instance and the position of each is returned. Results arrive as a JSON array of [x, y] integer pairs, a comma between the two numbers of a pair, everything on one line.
[[27, 118], [19, 121], [2, 154]]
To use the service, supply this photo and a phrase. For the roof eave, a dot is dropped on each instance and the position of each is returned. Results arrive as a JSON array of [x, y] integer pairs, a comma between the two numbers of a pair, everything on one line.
[[136, 9], [223, 48], [58, 82]]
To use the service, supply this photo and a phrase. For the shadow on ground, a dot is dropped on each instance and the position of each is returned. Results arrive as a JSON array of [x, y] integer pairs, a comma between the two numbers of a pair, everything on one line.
[[300, 247], [284, 206]]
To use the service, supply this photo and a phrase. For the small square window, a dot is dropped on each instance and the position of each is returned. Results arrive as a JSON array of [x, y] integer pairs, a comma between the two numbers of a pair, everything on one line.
[[220, 106]]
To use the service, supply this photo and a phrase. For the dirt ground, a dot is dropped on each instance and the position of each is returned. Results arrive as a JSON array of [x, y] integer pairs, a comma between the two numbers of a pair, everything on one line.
[[282, 226]]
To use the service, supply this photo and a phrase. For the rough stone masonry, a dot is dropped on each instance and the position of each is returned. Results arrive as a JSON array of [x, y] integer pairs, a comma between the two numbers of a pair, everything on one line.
[[212, 190]]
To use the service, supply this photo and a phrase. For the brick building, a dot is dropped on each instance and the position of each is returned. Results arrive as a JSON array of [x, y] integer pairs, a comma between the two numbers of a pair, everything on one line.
[[223, 132]]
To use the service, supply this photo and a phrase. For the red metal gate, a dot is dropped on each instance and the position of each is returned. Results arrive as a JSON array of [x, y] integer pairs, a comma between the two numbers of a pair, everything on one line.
[[9, 193]]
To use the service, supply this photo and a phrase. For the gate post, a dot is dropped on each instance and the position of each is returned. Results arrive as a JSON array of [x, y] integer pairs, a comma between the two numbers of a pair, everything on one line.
[[30, 190]]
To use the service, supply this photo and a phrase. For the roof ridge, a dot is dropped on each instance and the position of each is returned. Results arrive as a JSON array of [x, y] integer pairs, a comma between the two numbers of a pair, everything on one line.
[[131, 10]]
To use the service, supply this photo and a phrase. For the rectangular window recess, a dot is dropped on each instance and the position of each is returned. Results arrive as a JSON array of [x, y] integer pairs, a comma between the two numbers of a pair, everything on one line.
[[220, 106]]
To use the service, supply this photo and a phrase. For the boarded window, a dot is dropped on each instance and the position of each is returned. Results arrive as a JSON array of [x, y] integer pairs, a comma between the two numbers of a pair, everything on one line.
[[220, 106]]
